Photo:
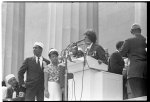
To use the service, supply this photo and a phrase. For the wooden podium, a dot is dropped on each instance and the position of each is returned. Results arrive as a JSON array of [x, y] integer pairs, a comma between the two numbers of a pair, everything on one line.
[[97, 83]]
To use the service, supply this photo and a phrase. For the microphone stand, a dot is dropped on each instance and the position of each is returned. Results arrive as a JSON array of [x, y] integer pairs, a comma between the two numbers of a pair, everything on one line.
[[66, 53], [66, 79]]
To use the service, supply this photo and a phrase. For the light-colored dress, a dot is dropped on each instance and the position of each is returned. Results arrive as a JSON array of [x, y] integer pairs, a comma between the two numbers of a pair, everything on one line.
[[55, 93]]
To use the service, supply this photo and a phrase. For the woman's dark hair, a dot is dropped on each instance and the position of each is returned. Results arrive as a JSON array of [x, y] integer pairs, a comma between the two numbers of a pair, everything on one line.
[[53, 52], [119, 44], [91, 35]]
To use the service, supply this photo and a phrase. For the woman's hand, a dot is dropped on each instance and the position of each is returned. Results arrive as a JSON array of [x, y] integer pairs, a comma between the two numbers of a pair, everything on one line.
[[44, 64], [46, 93]]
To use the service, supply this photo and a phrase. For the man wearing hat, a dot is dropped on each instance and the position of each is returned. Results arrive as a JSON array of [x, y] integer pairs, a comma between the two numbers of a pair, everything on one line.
[[33, 66], [134, 49], [14, 91]]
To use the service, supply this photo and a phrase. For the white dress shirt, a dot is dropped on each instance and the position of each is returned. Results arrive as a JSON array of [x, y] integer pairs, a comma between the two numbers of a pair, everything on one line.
[[88, 48], [40, 59]]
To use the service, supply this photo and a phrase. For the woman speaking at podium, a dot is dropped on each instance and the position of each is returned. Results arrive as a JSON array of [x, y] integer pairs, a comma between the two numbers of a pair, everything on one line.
[[94, 50]]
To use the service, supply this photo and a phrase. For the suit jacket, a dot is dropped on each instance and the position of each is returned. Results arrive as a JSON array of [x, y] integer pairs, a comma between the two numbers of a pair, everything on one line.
[[98, 53], [116, 63], [35, 74], [134, 49]]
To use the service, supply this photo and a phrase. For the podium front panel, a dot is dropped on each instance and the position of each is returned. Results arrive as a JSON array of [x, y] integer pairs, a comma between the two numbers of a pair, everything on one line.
[[97, 85], [75, 89]]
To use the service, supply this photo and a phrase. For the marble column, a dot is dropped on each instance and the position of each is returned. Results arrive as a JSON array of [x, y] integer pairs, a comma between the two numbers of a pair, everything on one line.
[[68, 22], [141, 16], [14, 38]]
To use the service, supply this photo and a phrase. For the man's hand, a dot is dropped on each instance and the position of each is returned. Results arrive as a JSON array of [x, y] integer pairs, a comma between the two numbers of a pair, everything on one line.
[[46, 93], [100, 62], [124, 72], [23, 85]]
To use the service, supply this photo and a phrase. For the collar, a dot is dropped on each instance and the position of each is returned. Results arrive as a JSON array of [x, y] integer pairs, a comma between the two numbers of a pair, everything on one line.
[[51, 64], [39, 57], [117, 50], [89, 47]]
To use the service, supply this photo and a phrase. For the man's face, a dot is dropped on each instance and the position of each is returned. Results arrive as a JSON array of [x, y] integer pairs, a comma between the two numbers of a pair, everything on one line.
[[80, 53], [37, 50], [74, 50], [12, 82], [135, 31]]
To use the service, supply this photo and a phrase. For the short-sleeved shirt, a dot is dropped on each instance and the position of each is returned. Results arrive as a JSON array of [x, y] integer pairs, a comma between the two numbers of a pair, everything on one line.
[[53, 72]]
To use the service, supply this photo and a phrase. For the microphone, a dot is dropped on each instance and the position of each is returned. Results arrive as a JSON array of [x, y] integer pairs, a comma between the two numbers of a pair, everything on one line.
[[75, 43], [79, 41]]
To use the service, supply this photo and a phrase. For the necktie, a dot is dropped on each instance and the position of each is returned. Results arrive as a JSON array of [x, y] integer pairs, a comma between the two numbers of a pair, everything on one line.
[[39, 61]]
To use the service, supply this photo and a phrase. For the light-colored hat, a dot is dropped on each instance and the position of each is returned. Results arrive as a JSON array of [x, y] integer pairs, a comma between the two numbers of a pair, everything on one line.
[[52, 50], [39, 44], [9, 77], [135, 26]]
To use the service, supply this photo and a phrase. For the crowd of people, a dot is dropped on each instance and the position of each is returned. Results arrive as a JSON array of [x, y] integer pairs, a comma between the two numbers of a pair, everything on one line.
[[45, 77]]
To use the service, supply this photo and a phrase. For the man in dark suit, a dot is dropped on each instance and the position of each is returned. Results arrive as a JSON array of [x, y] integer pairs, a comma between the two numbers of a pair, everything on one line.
[[116, 62], [94, 50], [33, 66], [116, 65], [134, 49]]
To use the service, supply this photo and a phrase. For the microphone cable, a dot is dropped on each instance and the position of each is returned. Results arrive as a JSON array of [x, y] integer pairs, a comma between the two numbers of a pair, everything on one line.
[[74, 89]]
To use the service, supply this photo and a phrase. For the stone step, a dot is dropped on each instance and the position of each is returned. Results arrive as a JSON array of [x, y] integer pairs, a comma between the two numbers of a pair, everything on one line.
[[144, 98]]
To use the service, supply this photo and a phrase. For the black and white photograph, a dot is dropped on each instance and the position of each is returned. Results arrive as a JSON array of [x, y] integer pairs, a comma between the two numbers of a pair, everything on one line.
[[73, 51]]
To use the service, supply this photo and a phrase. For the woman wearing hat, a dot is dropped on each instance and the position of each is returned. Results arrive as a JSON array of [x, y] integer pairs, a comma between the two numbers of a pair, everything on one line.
[[52, 74]]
